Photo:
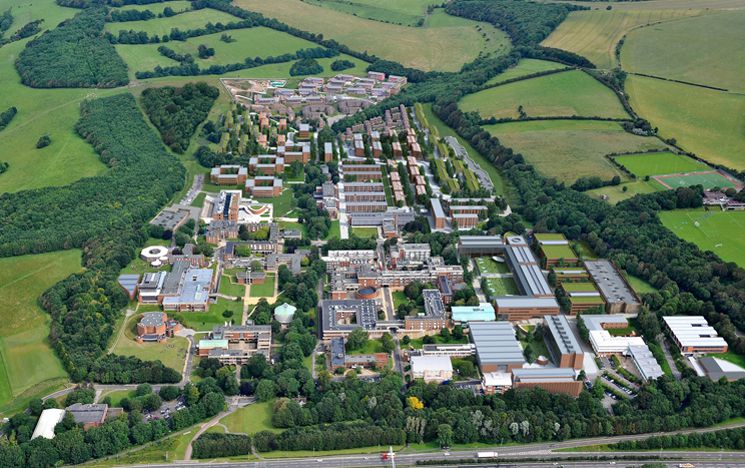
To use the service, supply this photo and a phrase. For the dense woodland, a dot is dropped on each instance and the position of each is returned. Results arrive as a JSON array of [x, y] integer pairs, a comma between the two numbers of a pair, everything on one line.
[[177, 112], [73, 55]]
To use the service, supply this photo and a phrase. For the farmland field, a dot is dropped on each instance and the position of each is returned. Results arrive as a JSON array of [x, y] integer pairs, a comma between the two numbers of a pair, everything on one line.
[[649, 164], [568, 149], [160, 26], [27, 359], [595, 33], [706, 122], [157, 8], [660, 4], [445, 43], [561, 94], [41, 111], [717, 231], [251, 42], [406, 13], [706, 50], [525, 67]]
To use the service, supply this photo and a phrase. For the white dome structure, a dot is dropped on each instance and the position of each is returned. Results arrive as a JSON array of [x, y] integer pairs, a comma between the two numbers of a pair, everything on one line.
[[154, 254]]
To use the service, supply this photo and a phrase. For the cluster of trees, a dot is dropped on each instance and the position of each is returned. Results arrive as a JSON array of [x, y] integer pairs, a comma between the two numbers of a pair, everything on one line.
[[106, 216], [73, 445], [6, 116], [6, 20], [44, 141], [306, 66], [141, 37], [588, 183], [214, 445], [177, 112], [342, 64], [192, 69], [205, 52], [300, 289], [173, 55], [121, 16], [731, 439], [112, 3], [27, 30], [73, 55]]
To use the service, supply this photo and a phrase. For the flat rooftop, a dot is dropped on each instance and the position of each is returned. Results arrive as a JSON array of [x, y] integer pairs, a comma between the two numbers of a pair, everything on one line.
[[558, 326], [610, 282], [693, 331], [496, 343]]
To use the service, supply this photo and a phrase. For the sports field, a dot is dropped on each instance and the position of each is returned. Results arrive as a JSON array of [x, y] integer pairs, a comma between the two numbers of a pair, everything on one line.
[[252, 42], [525, 67], [160, 26], [703, 121], [406, 13], [650, 164], [717, 231], [706, 50], [41, 111], [27, 360], [569, 149], [707, 179], [561, 94], [594, 34], [444, 43]]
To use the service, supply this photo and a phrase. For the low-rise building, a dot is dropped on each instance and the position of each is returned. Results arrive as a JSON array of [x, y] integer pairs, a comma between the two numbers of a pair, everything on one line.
[[562, 344], [693, 334], [264, 187], [619, 296], [228, 174], [89, 415], [553, 380], [235, 345], [156, 326], [433, 320], [484, 312], [497, 348], [431, 368], [555, 250]]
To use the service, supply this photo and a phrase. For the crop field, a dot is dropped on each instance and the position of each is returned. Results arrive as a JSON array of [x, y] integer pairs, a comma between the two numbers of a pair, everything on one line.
[[444, 43], [561, 94], [706, 50], [717, 231], [650, 164], [568, 149], [157, 8], [184, 21], [406, 13], [41, 111], [27, 360], [706, 122], [594, 34], [525, 67], [251, 42]]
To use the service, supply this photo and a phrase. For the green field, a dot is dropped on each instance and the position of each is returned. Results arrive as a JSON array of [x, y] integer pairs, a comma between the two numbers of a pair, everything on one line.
[[157, 8], [172, 353], [251, 419], [41, 111], [205, 321], [525, 67], [28, 363], [282, 204], [251, 42], [706, 179], [703, 121], [487, 265], [263, 290], [706, 50], [444, 43], [502, 287], [568, 149], [717, 231], [615, 193], [406, 13], [365, 232], [160, 26], [561, 94], [650, 164], [229, 288], [594, 34]]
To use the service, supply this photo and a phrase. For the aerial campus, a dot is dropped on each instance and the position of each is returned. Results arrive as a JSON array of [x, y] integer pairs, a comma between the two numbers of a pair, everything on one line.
[[372, 233]]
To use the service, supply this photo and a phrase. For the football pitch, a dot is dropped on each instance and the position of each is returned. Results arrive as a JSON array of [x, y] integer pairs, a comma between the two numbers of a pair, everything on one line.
[[717, 231], [707, 179]]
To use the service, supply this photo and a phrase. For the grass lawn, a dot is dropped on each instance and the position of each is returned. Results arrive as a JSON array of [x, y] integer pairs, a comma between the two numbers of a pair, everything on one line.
[[334, 231], [737, 359], [282, 204], [706, 122], [28, 364], [525, 67], [502, 287], [172, 353], [251, 419], [649, 164], [443, 43], [263, 290], [184, 21], [370, 347], [229, 288], [568, 149], [701, 50], [444, 130], [561, 94], [205, 321], [717, 231], [487, 265], [41, 111], [199, 200], [639, 285], [117, 396], [595, 33], [419, 342], [365, 232]]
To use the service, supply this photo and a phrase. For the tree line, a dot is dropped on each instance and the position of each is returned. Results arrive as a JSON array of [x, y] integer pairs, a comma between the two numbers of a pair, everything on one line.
[[73, 55], [177, 112]]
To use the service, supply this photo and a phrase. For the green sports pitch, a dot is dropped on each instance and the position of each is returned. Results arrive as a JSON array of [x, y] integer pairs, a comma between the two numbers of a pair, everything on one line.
[[717, 231], [708, 179]]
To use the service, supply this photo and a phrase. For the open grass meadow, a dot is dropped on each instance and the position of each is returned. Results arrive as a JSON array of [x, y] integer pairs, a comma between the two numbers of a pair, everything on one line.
[[594, 34], [706, 122], [569, 149], [406, 13], [650, 164], [524, 67], [561, 94], [706, 50], [251, 419], [157, 8], [444, 43], [41, 111], [160, 26], [616, 193], [716, 231], [28, 363], [172, 353]]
